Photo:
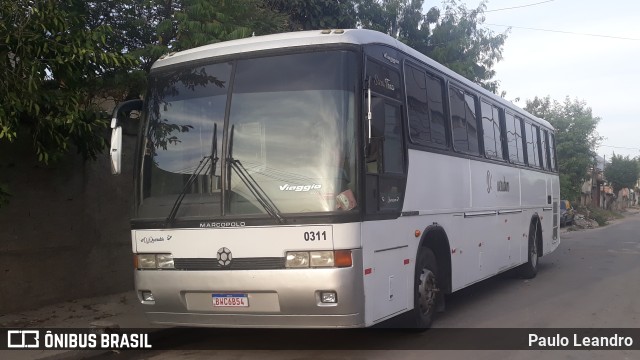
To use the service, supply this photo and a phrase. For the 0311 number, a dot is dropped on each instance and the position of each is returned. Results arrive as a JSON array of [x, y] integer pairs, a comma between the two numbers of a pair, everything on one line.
[[315, 236]]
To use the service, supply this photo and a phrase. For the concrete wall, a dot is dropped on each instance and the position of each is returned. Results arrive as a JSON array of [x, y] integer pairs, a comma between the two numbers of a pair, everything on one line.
[[65, 232]]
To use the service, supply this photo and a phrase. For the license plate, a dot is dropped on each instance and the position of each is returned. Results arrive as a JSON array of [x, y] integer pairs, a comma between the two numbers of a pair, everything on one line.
[[230, 300]]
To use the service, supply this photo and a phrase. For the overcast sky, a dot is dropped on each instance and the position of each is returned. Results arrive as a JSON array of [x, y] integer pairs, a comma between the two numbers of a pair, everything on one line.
[[602, 71]]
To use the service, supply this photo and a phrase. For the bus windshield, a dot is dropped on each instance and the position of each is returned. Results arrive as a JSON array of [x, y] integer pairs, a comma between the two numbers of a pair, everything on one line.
[[289, 122]]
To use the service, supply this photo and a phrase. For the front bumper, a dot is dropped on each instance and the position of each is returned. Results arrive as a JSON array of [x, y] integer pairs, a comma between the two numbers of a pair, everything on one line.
[[277, 298]]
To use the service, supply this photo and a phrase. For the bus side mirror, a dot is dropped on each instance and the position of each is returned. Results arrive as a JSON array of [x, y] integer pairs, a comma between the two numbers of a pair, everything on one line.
[[119, 114], [116, 150]]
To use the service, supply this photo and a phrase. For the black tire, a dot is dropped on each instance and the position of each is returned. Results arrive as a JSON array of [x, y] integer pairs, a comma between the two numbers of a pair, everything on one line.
[[425, 290], [530, 269]]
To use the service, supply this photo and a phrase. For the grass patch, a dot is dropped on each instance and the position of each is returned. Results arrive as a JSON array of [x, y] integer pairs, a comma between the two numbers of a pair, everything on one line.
[[602, 217]]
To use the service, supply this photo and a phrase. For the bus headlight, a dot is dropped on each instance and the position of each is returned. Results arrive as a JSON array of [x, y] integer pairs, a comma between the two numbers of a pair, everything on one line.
[[327, 258], [165, 261], [146, 261], [153, 261], [297, 259], [321, 258]]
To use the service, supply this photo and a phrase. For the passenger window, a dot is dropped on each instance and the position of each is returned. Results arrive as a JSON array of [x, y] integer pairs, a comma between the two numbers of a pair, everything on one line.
[[532, 145], [435, 97], [426, 111], [419, 124], [491, 131], [463, 121], [552, 152], [544, 149], [514, 138]]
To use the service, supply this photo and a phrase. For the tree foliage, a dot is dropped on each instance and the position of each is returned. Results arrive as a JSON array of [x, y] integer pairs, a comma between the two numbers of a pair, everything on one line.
[[459, 42], [316, 14], [52, 66], [576, 139], [148, 29], [453, 36], [622, 172]]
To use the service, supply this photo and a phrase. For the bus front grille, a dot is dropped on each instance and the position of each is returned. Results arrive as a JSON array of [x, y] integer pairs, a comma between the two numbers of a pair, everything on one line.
[[258, 263]]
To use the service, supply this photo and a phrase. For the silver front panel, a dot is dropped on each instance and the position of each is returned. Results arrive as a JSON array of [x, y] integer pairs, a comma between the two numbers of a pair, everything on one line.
[[277, 298]]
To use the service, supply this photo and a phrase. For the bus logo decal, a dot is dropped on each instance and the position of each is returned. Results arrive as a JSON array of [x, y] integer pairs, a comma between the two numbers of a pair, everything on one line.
[[287, 187], [391, 60], [503, 185], [224, 257], [222, 224], [386, 83]]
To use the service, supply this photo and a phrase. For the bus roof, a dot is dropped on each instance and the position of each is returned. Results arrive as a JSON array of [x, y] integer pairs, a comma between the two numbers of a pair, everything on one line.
[[322, 37]]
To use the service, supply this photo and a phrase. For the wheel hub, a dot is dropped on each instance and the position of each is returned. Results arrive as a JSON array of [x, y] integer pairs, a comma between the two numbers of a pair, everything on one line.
[[427, 292]]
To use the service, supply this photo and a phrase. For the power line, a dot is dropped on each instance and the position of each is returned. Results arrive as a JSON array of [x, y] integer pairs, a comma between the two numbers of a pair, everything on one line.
[[620, 147], [566, 32], [517, 7]]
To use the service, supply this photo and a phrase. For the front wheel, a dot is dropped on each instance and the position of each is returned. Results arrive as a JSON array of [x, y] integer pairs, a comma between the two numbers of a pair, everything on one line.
[[530, 269], [425, 290]]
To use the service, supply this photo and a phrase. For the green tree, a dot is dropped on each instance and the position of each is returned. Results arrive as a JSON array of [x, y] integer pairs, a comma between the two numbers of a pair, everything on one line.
[[576, 139], [454, 38], [621, 172], [460, 42], [52, 67], [148, 29], [316, 14]]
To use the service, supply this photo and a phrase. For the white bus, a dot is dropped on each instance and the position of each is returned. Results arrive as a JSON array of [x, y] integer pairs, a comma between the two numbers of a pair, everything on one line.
[[328, 179]]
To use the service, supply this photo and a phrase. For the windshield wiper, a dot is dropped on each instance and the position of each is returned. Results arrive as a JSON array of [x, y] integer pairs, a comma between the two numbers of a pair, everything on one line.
[[176, 205], [267, 204], [213, 158]]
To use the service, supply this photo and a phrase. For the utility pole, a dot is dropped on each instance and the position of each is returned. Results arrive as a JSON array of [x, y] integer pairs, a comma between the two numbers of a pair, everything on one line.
[[594, 183]]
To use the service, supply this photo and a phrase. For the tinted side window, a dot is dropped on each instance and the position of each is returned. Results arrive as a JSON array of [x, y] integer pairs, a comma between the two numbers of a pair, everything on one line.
[[426, 110], [463, 121], [419, 124], [552, 152], [491, 131], [544, 149], [514, 139], [532, 145], [435, 97]]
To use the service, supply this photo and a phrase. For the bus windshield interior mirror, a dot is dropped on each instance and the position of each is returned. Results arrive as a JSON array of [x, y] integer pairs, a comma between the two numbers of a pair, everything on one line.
[[119, 113]]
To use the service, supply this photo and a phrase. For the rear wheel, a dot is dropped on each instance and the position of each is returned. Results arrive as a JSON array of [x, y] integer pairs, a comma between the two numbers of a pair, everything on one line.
[[425, 290], [530, 269]]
